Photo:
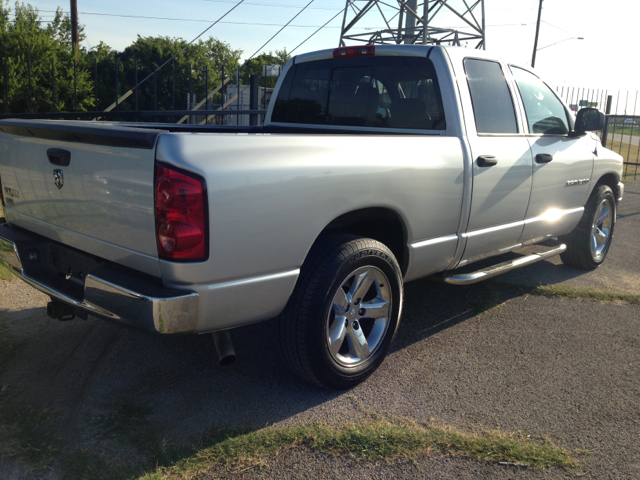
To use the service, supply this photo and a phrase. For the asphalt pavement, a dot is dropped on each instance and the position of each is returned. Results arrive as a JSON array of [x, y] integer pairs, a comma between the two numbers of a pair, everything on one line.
[[483, 356]]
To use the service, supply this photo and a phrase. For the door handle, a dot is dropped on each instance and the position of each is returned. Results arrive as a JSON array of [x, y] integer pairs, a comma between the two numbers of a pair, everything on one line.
[[543, 158], [58, 156], [487, 161]]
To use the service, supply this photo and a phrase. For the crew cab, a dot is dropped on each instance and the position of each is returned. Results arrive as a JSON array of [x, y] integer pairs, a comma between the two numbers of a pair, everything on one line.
[[376, 165]]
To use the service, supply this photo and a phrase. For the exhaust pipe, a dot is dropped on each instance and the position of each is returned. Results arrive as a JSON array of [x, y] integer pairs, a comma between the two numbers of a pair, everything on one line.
[[224, 347]]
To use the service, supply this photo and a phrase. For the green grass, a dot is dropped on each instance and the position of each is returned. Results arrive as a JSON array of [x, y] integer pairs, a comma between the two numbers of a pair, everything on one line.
[[8, 346], [487, 300], [630, 154], [377, 439], [624, 130], [85, 465], [28, 433]]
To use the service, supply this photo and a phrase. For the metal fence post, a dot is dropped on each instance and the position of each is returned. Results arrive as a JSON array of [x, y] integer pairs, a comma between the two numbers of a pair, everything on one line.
[[254, 89], [609, 102], [6, 85], [53, 83], [155, 87], [75, 85], [223, 92], [206, 89], [117, 68], [238, 94], [95, 81], [137, 85], [30, 86]]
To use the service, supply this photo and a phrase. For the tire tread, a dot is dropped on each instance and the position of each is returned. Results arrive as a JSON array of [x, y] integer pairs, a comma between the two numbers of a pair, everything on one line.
[[325, 257]]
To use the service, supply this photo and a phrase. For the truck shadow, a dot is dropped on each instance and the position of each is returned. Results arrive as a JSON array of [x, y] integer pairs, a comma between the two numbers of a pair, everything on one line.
[[83, 369], [108, 385]]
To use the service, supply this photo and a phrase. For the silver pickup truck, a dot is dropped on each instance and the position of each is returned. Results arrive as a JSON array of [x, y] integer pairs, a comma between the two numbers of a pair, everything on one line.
[[376, 165]]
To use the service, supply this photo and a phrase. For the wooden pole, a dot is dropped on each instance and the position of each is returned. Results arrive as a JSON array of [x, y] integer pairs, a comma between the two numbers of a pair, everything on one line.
[[74, 26]]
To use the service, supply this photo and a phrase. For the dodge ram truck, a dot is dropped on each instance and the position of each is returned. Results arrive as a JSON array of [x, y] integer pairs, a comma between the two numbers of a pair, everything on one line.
[[375, 166]]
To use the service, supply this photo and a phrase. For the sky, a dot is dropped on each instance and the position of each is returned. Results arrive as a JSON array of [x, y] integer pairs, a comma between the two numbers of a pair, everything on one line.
[[605, 58]]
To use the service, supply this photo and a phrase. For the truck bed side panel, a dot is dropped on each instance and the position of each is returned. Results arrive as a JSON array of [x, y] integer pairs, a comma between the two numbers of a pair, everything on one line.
[[270, 196]]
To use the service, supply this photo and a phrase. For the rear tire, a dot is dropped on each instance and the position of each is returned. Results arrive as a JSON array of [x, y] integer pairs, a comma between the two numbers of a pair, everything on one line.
[[589, 243], [344, 312]]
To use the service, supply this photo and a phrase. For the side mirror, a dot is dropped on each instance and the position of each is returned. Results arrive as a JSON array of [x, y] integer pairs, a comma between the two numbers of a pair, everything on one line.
[[588, 120]]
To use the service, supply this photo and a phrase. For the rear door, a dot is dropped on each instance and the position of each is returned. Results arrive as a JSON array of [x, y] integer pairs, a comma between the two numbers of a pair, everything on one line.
[[502, 164]]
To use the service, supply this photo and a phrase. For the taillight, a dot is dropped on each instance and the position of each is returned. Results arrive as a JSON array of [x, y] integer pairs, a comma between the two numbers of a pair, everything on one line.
[[181, 215], [365, 51]]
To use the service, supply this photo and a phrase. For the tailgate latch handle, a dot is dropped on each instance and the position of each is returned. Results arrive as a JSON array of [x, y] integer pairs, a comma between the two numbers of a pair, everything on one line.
[[60, 157]]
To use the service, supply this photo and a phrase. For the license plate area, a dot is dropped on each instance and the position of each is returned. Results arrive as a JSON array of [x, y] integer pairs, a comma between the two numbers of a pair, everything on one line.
[[61, 268]]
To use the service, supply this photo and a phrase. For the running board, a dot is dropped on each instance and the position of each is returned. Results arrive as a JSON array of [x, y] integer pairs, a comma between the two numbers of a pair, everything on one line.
[[480, 275]]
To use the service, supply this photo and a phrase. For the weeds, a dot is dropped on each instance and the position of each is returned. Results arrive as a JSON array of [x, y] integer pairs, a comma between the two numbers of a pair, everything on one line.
[[576, 293], [28, 433], [377, 439]]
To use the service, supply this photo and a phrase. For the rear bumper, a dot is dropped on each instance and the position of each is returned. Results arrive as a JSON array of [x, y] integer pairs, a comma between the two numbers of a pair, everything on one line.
[[104, 290]]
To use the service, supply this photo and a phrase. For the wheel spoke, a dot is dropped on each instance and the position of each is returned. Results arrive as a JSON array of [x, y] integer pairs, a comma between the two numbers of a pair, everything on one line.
[[340, 301], [358, 343], [601, 236], [337, 334], [604, 213], [594, 244], [360, 286], [376, 308]]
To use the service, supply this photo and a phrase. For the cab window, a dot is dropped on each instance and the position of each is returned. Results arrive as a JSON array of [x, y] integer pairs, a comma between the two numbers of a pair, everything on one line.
[[492, 103], [545, 113], [385, 92]]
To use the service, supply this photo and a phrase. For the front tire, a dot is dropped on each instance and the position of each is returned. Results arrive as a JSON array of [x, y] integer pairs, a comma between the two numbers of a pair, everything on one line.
[[344, 311], [589, 243]]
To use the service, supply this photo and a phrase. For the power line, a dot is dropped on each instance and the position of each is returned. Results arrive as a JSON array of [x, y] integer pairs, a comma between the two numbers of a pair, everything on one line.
[[276, 34], [323, 26], [192, 19], [192, 41], [282, 5], [555, 26]]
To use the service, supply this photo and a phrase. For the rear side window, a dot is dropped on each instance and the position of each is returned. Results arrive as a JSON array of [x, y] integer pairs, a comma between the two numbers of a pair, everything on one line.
[[545, 113], [492, 102], [385, 92]]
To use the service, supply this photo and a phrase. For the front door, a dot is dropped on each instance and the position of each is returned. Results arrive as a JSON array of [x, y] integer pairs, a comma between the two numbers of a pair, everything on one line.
[[562, 165]]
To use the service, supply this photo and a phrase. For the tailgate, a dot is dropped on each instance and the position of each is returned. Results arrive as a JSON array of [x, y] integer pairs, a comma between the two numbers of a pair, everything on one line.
[[81, 183]]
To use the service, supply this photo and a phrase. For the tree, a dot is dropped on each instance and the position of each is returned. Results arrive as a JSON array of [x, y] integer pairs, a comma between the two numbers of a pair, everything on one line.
[[190, 69], [255, 66], [48, 48]]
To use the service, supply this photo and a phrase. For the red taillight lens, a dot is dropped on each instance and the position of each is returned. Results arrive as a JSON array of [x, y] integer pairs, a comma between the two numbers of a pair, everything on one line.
[[181, 215], [364, 51]]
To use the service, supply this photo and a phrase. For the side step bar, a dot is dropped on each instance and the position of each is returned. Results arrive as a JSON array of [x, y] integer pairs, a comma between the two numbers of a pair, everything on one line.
[[480, 275]]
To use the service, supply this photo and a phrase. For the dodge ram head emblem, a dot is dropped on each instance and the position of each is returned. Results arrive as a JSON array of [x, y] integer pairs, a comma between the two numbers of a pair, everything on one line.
[[58, 179]]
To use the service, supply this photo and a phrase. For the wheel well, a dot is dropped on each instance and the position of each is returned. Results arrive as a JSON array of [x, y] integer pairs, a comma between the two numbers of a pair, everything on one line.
[[610, 180], [379, 223]]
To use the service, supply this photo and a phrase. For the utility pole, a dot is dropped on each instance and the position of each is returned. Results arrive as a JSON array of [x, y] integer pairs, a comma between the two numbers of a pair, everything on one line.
[[74, 25], [535, 43]]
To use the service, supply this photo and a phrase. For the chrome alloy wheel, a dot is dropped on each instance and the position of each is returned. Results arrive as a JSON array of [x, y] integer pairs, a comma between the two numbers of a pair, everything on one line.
[[359, 317], [601, 229]]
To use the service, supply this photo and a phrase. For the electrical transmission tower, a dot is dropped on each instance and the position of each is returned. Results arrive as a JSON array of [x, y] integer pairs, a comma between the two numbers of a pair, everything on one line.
[[411, 22]]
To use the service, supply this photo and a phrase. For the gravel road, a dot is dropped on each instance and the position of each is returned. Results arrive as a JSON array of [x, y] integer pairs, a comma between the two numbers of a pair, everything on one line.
[[560, 368]]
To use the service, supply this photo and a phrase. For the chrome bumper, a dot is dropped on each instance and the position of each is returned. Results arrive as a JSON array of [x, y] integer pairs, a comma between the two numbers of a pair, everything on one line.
[[110, 292]]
